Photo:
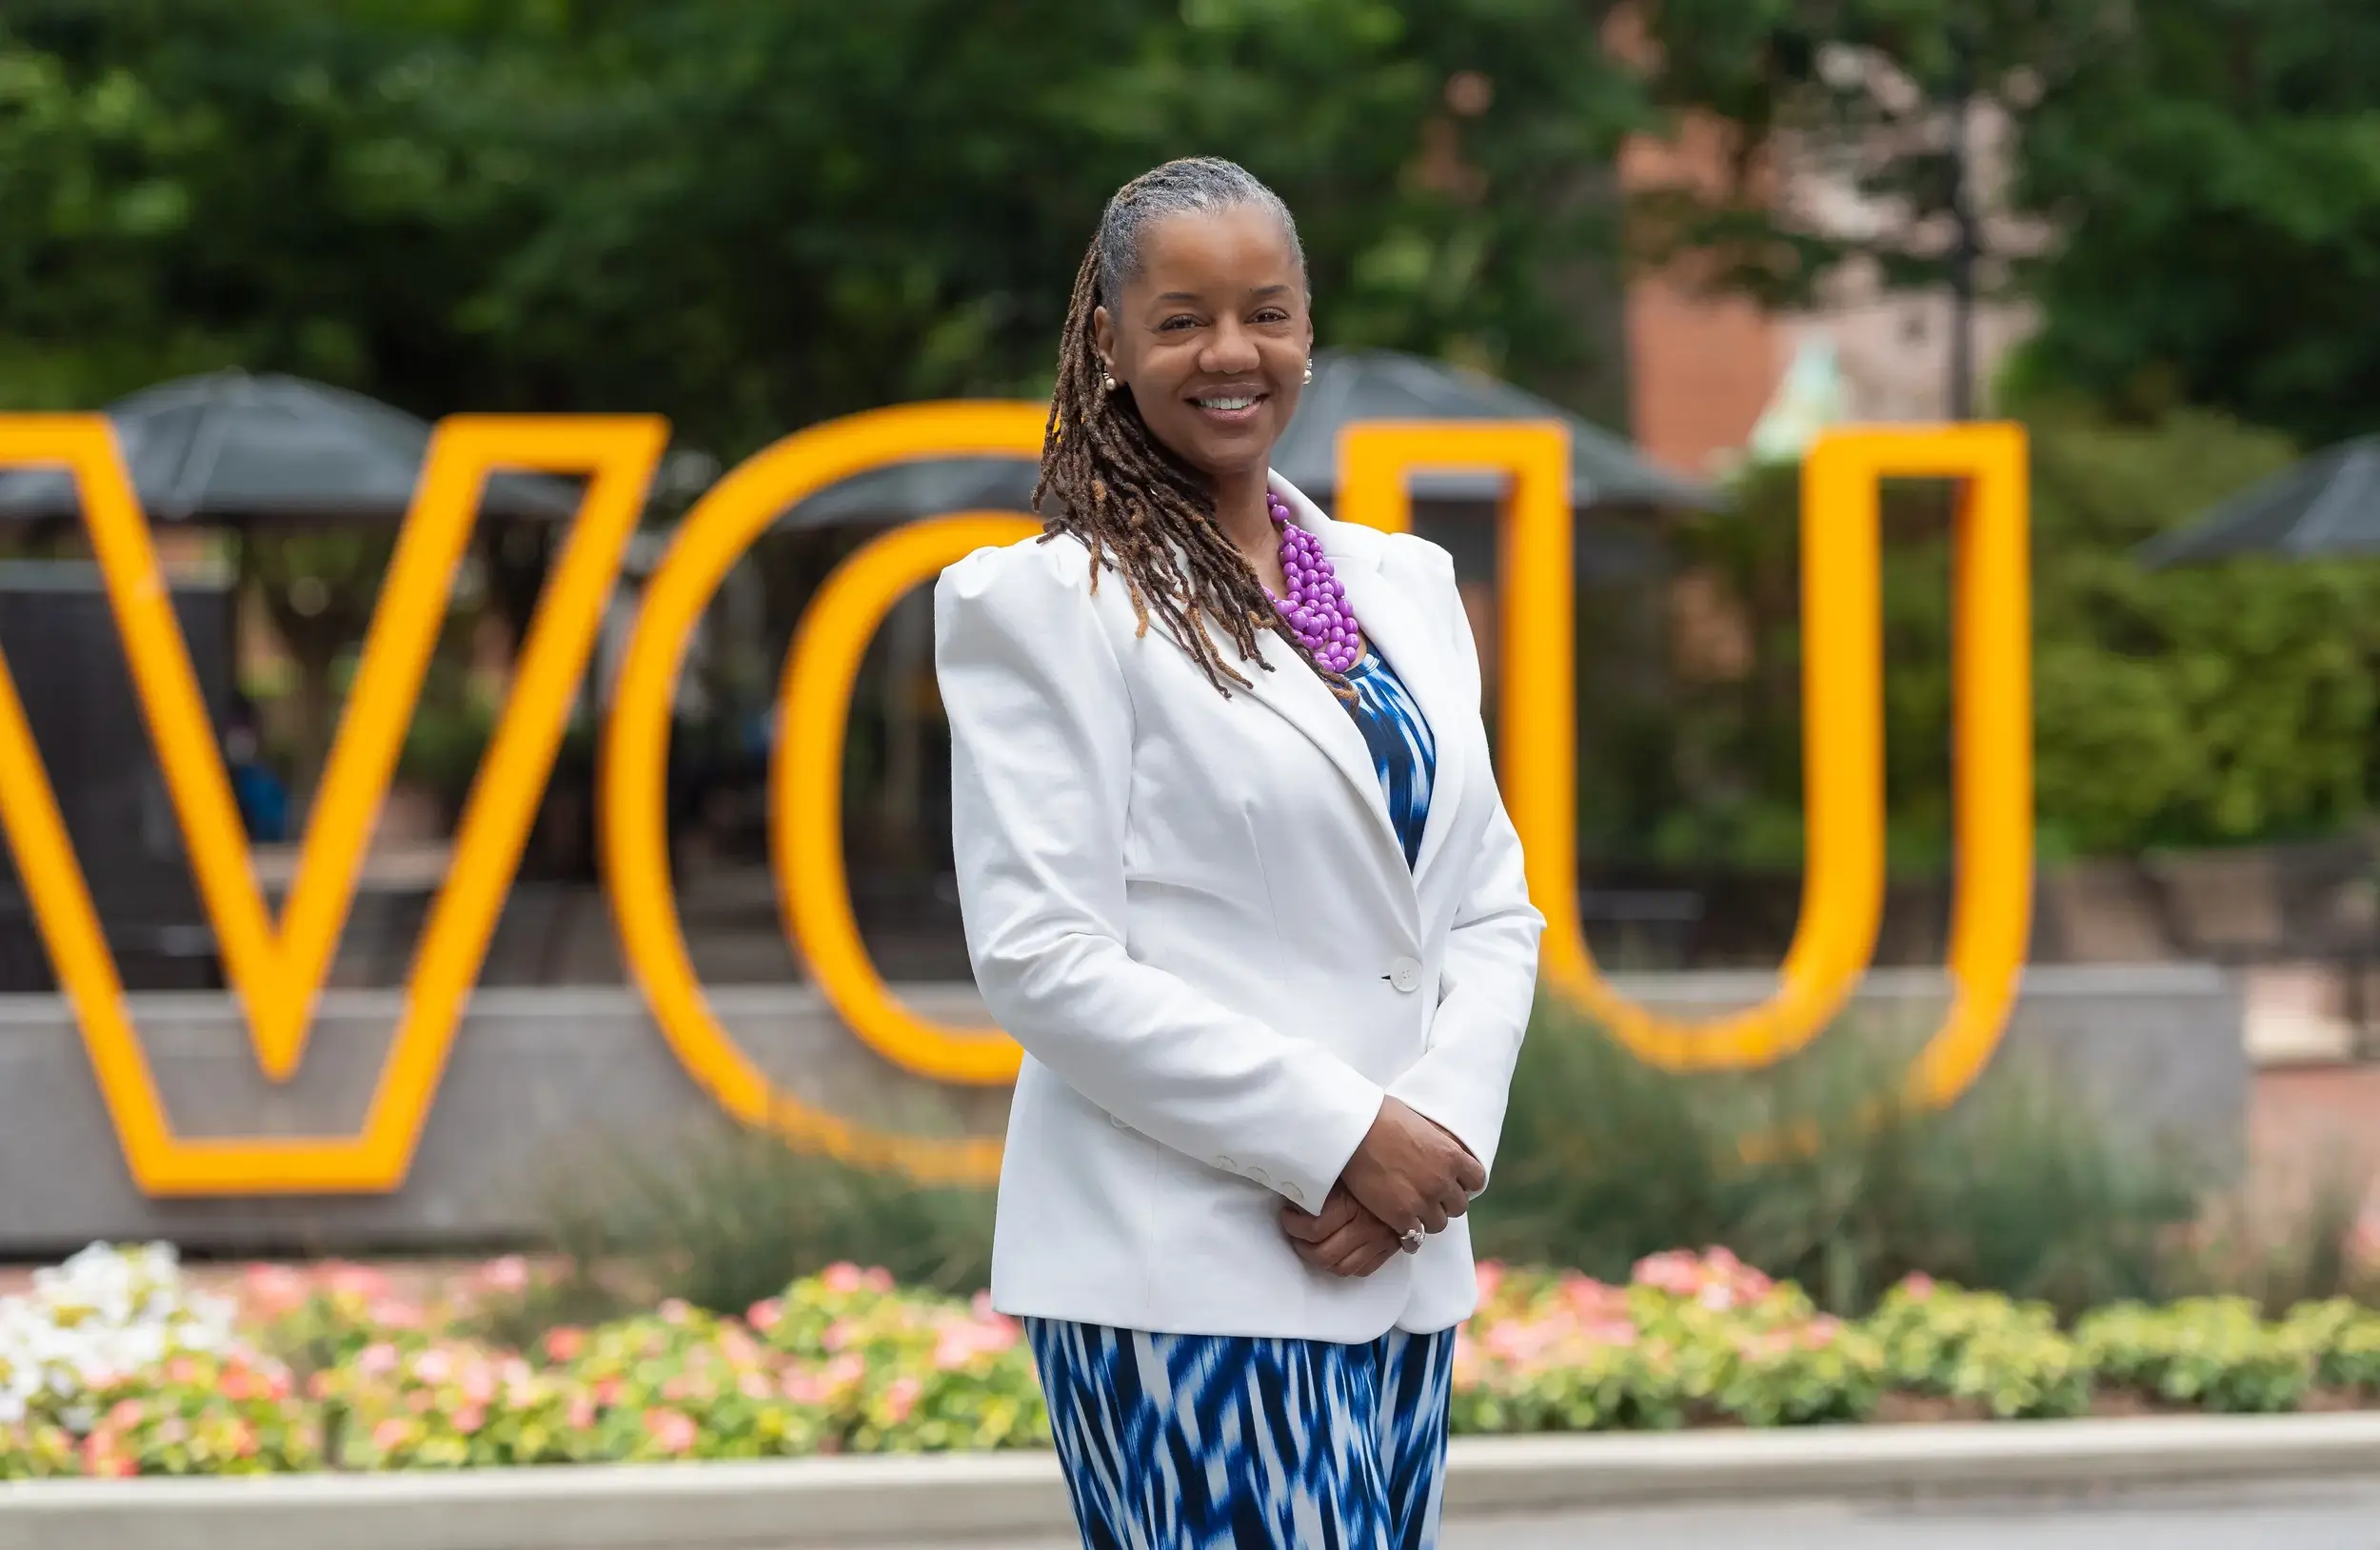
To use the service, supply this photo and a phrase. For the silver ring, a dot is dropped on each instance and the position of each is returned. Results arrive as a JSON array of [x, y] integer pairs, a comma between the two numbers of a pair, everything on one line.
[[1414, 1239]]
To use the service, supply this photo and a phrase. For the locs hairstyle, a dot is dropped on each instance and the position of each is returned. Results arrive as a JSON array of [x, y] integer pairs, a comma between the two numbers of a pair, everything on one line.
[[1105, 479]]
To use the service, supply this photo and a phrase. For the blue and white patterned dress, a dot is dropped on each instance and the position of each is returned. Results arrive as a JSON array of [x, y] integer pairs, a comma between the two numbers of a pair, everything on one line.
[[1243, 1442]]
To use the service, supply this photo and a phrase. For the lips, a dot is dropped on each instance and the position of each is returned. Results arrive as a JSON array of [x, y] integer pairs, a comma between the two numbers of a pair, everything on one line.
[[1229, 407]]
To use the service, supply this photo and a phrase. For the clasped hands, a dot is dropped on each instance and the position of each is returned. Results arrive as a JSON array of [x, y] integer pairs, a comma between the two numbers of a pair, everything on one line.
[[1408, 1173]]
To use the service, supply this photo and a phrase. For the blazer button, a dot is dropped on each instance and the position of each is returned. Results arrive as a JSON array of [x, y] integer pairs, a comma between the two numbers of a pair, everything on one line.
[[1256, 1176], [1117, 1124], [1227, 1165], [1405, 974]]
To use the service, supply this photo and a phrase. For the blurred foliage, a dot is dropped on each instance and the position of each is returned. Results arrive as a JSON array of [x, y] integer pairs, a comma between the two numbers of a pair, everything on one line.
[[750, 217], [2021, 1189], [2206, 174], [724, 1222], [2193, 707], [2217, 177]]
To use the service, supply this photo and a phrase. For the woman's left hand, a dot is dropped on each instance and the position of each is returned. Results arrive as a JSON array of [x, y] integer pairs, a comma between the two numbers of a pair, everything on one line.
[[1343, 1237]]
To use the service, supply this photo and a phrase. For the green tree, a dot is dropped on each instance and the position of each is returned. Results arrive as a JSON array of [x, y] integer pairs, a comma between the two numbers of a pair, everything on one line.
[[750, 217], [2195, 707], [2207, 173], [2217, 182]]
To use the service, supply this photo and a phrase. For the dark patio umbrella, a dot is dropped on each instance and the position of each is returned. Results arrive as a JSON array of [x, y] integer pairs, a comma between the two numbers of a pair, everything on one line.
[[1382, 385], [2328, 504], [232, 449], [1348, 386]]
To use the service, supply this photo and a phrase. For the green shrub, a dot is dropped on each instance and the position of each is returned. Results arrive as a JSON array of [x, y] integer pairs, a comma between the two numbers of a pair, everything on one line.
[[2019, 1189], [2344, 1337], [724, 1222], [2006, 1359], [2214, 1353]]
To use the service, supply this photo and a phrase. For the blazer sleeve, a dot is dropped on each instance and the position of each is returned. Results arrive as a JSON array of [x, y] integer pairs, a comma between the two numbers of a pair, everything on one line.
[[1463, 1077], [1041, 732]]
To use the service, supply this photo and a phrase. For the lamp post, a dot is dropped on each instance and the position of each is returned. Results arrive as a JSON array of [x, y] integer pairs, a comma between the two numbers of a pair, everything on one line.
[[1965, 239]]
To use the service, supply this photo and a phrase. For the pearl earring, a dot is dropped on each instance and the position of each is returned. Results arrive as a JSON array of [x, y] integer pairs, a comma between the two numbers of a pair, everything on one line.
[[1109, 381], [1309, 371]]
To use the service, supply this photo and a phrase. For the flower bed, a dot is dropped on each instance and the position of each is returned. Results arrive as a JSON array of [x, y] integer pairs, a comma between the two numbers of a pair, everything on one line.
[[114, 1366]]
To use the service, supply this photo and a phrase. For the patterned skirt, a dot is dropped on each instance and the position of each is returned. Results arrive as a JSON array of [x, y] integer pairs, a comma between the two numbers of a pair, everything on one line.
[[1233, 1443]]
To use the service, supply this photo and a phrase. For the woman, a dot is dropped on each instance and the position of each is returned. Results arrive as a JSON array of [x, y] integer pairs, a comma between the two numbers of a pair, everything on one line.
[[1235, 873]]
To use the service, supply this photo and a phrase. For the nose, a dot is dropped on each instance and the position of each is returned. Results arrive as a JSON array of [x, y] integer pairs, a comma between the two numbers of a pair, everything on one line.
[[1230, 350]]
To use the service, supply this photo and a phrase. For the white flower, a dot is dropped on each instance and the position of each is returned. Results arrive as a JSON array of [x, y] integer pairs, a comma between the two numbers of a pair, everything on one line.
[[103, 1313]]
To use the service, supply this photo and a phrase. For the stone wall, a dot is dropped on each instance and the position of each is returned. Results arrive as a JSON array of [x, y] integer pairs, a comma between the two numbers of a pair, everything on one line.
[[540, 1081]]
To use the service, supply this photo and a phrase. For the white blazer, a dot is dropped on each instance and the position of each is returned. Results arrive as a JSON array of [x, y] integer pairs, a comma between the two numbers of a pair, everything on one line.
[[1194, 914]]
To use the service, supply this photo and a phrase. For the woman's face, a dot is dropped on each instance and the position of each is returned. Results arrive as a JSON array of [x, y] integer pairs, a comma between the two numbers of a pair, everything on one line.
[[1212, 337]]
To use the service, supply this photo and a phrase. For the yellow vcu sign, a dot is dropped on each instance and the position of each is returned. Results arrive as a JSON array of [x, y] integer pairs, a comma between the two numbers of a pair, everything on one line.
[[276, 966]]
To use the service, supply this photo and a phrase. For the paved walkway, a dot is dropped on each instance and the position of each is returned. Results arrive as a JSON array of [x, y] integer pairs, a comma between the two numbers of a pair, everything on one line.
[[2325, 1517]]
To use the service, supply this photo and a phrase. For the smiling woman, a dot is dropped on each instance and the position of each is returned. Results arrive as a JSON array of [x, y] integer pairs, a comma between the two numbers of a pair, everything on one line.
[[1235, 874]]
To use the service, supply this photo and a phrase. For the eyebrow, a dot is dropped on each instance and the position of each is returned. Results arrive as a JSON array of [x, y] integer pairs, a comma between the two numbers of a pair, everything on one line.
[[1191, 296]]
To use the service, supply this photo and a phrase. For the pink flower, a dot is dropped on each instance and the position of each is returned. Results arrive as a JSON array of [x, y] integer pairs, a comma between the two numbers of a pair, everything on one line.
[[1591, 1299], [479, 1383], [753, 1385], [607, 1392], [766, 1315], [1676, 1271], [243, 1439], [471, 1419], [396, 1314], [391, 1434], [901, 1398], [355, 1281], [180, 1370], [877, 1279], [581, 1414], [953, 1349], [509, 1274], [841, 1277], [100, 1457], [672, 1431], [124, 1414], [275, 1289], [377, 1359], [1918, 1284], [433, 1366], [1490, 1274], [564, 1345], [677, 1312], [837, 1335]]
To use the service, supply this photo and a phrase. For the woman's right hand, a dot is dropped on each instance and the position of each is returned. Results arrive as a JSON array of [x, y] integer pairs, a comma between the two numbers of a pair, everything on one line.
[[1410, 1173]]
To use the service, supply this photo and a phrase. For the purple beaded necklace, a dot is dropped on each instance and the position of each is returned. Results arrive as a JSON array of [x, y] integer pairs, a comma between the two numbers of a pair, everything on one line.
[[1317, 604]]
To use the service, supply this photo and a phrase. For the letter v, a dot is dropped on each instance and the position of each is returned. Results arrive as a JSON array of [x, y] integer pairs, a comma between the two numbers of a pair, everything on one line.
[[278, 974]]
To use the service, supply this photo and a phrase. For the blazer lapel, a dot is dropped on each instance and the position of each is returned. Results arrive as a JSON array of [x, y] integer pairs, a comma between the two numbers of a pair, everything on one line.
[[1293, 692], [1399, 627]]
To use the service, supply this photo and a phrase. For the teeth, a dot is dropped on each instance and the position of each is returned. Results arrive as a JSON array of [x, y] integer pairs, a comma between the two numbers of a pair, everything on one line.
[[1226, 403]]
